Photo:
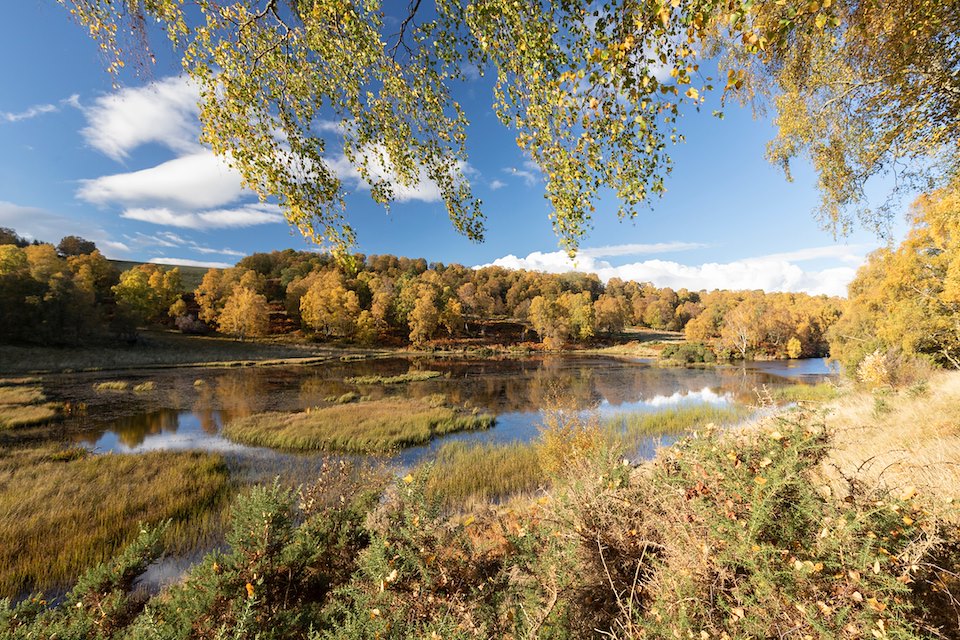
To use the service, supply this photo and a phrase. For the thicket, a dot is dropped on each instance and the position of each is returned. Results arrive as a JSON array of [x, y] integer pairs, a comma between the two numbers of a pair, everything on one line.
[[722, 535]]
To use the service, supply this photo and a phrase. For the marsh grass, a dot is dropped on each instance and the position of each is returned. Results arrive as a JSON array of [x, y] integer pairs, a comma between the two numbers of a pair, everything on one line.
[[377, 426], [12, 395], [62, 509], [112, 385], [25, 406], [463, 474], [410, 376], [145, 386]]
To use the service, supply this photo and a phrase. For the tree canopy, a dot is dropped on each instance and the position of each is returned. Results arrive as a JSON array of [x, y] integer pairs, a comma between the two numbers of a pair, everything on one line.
[[593, 91]]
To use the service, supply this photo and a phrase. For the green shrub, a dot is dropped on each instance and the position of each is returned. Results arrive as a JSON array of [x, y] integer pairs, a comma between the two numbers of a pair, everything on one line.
[[688, 353]]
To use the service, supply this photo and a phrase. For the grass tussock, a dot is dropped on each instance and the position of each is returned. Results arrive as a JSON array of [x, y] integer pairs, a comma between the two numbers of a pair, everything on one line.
[[145, 386], [112, 385], [463, 473], [63, 510], [376, 426], [403, 378]]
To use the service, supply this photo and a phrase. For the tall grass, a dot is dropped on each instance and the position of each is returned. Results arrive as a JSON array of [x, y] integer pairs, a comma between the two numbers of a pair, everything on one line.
[[377, 426], [62, 511], [463, 473], [820, 392], [410, 376]]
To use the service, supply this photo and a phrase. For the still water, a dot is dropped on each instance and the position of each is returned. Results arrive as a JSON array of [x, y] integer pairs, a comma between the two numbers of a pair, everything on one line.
[[188, 407]]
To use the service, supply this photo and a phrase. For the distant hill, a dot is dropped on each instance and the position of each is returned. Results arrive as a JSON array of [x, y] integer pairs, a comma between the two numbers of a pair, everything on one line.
[[191, 276]]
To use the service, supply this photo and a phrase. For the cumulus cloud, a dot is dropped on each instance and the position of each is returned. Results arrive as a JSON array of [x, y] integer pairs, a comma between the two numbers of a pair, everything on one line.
[[164, 112], [39, 224], [769, 273], [186, 262], [241, 216], [195, 181]]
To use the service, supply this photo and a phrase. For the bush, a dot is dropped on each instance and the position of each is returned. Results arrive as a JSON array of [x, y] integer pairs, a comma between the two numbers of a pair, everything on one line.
[[688, 353]]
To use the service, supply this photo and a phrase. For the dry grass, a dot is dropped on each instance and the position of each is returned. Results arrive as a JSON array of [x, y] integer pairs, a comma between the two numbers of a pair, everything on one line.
[[366, 427], [900, 440], [62, 510]]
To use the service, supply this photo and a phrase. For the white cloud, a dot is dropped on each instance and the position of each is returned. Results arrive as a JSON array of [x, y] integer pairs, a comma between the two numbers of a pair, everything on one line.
[[529, 172], [186, 262], [241, 216], [497, 184], [770, 273], [43, 225], [196, 181], [38, 110], [170, 240], [611, 251], [163, 112], [423, 190]]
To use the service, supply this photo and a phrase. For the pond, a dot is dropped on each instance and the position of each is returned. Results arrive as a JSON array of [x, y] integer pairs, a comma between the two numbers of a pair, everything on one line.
[[187, 408]]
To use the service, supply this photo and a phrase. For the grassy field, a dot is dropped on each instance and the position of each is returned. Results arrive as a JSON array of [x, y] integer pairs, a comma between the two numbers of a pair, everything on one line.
[[190, 276], [158, 349], [62, 510], [377, 426]]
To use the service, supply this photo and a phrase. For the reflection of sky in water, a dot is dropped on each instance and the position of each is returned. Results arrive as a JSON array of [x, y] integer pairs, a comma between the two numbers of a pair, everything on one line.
[[657, 402]]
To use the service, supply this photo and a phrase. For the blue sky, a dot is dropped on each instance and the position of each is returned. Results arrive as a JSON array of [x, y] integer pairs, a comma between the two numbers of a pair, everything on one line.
[[122, 167]]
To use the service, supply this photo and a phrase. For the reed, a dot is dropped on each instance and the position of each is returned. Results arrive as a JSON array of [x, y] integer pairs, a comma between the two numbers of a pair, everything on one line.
[[62, 510], [462, 474]]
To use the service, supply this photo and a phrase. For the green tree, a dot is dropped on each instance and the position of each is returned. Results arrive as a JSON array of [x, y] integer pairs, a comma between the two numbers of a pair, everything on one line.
[[146, 292], [75, 246]]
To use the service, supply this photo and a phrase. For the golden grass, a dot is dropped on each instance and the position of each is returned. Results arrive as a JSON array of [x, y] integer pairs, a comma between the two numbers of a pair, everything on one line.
[[410, 376], [376, 426], [912, 441], [20, 395], [112, 385], [62, 510], [24, 406], [635, 428], [145, 386], [464, 474], [820, 392], [16, 416]]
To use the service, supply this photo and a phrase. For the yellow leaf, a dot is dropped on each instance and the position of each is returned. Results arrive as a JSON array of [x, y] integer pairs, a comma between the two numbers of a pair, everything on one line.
[[692, 93], [408, 478]]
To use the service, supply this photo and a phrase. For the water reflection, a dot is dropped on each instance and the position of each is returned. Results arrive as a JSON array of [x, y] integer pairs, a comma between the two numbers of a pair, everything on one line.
[[191, 406]]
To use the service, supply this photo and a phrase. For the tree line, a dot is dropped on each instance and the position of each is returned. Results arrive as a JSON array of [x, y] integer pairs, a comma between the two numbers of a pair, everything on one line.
[[68, 293]]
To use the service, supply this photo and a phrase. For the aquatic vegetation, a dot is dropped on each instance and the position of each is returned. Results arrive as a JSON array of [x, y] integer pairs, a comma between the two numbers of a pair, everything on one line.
[[376, 426], [112, 385], [23, 406], [410, 376], [62, 510]]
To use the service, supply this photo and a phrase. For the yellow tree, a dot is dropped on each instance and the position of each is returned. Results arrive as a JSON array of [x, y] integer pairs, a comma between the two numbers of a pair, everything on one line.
[[328, 307], [245, 314], [424, 318]]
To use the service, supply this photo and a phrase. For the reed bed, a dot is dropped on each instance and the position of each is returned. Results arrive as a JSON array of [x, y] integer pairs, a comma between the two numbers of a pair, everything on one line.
[[462, 474], [377, 426], [820, 392], [403, 378], [62, 510]]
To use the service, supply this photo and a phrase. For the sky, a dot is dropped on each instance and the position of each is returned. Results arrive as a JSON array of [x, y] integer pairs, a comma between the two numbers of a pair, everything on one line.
[[123, 167]]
